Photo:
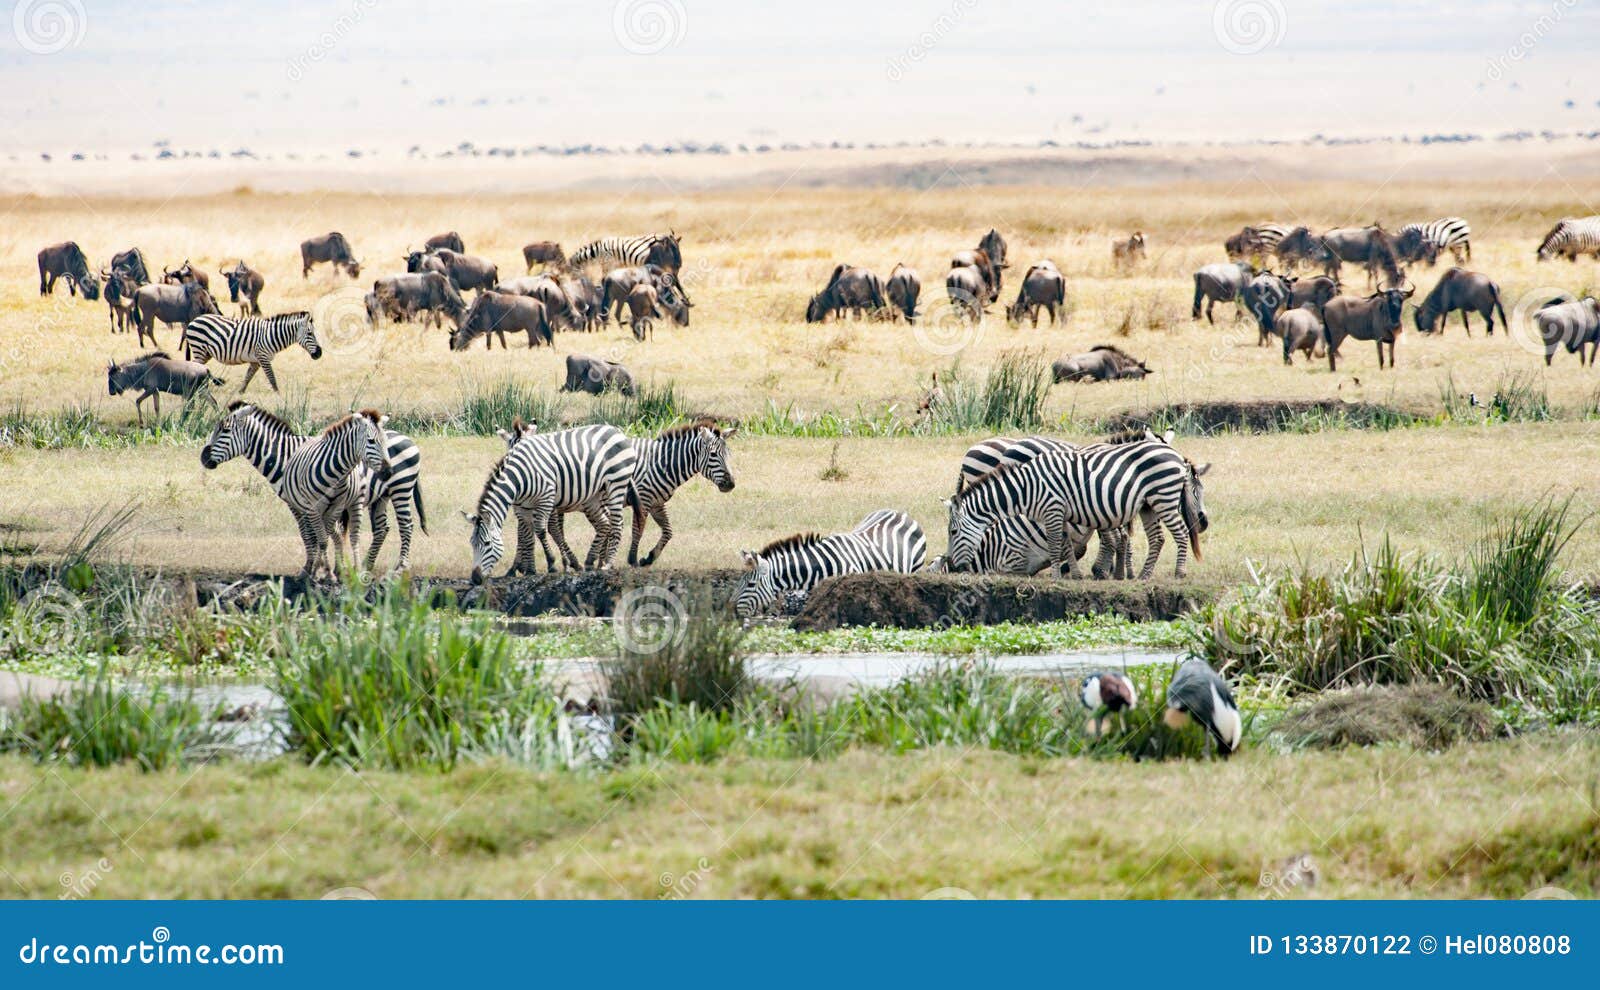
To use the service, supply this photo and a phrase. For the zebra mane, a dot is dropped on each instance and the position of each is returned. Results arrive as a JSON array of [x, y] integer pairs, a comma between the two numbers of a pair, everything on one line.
[[488, 482], [271, 421], [795, 542], [1132, 434], [1003, 468], [705, 422], [371, 414]]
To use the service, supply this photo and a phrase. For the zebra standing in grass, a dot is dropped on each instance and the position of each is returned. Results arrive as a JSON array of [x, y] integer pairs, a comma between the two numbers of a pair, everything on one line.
[[1571, 237], [268, 443], [665, 463], [886, 540], [317, 483], [1424, 241], [627, 252], [541, 475], [251, 340]]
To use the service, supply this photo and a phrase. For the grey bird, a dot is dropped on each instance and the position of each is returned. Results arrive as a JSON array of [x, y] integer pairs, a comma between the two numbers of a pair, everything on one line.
[[1199, 693]]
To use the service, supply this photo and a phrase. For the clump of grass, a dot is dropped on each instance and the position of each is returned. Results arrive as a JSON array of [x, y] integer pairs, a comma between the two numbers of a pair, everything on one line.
[[1011, 397], [685, 653], [101, 724], [833, 472], [683, 733], [485, 407], [1518, 397], [1425, 716]]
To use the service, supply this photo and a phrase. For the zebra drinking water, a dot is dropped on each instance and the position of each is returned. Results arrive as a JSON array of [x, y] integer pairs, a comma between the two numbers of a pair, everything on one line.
[[886, 540], [251, 340]]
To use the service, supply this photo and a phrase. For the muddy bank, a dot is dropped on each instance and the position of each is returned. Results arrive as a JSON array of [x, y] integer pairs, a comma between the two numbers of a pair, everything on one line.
[[1263, 416]]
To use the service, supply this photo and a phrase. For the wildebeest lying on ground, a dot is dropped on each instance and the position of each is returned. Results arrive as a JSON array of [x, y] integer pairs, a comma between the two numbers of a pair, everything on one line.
[[1126, 254], [1459, 289], [1575, 322], [902, 290], [186, 273], [594, 375], [449, 239], [1264, 297], [244, 287], [1375, 318], [544, 252], [1220, 282], [173, 305], [1042, 287], [132, 263], [66, 260], [402, 297], [330, 248], [155, 373], [1301, 330], [1103, 362], [849, 287], [986, 267], [497, 312]]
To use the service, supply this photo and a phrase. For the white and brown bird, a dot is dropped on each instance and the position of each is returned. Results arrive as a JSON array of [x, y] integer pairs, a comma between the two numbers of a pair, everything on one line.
[[1104, 695]]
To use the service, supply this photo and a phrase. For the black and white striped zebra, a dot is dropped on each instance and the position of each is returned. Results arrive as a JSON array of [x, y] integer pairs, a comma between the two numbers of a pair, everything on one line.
[[886, 540], [1571, 237], [268, 443], [251, 340], [1424, 241], [1014, 544], [588, 468], [665, 463], [317, 482], [626, 252]]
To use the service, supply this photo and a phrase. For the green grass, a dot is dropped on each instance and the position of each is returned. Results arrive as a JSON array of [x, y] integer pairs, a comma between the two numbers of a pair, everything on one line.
[[101, 723]]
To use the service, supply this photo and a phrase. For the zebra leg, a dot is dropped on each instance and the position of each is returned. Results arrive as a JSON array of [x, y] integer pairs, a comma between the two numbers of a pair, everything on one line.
[[523, 563], [405, 513], [266, 367], [638, 526], [1152, 536], [1173, 520], [659, 514], [540, 519], [557, 530], [607, 534], [379, 513], [315, 538], [249, 374], [1105, 559]]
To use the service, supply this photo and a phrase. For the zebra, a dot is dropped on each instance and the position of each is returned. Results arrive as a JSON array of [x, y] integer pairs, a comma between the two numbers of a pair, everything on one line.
[[545, 474], [886, 540], [252, 340], [268, 443], [1424, 241], [665, 463], [1571, 237], [627, 252], [1267, 236], [1014, 544]]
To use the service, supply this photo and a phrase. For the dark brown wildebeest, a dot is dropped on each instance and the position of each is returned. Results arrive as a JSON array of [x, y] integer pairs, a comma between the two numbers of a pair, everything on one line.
[[174, 305], [673, 301], [66, 260], [1575, 322], [404, 296], [994, 246], [986, 267], [120, 287], [1099, 364], [594, 375], [1126, 254], [1220, 282], [1317, 290], [469, 272], [1243, 245], [548, 290], [132, 262], [1301, 330], [244, 287], [186, 273], [1264, 297], [331, 248], [449, 239], [643, 308], [967, 289], [1459, 289], [584, 299], [1042, 288], [849, 287], [902, 290], [1375, 318], [616, 284], [495, 313], [155, 373], [380, 308], [666, 252], [425, 261], [1371, 247], [544, 252]]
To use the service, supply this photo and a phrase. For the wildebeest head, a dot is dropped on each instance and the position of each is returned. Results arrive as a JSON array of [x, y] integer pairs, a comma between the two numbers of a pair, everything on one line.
[[665, 251], [1394, 302], [817, 308], [114, 378], [414, 260], [87, 284], [467, 327], [120, 284], [674, 301]]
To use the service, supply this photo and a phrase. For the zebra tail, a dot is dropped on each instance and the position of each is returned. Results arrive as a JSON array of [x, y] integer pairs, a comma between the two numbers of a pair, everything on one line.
[[1191, 520], [422, 515]]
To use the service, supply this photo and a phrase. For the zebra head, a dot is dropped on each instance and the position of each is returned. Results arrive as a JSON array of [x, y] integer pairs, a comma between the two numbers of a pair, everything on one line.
[[306, 335], [225, 444], [961, 552], [715, 464], [488, 545], [374, 442], [518, 431], [759, 587]]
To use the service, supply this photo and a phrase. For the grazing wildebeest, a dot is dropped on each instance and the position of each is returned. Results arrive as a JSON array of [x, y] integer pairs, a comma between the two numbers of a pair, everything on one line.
[[643, 308], [1126, 254], [449, 239], [1459, 289], [594, 375], [330, 248], [1375, 318], [849, 287], [666, 252], [425, 261], [1264, 297], [986, 267], [544, 252], [132, 262], [902, 290], [66, 260], [173, 305], [244, 287], [1571, 238], [1575, 322], [155, 373], [120, 287], [1317, 290], [1301, 246], [616, 284], [994, 246], [967, 290], [1100, 363], [404, 296], [379, 308], [583, 296], [1220, 282], [1371, 247], [495, 313], [1301, 330], [186, 273], [1042, 287], [673, 302], [469, 272]]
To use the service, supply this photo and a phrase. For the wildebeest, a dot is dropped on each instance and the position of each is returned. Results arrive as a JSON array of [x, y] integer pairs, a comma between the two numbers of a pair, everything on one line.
[[495, 313], [1459, 289], [849, 287], [425, 261], [902, 289], [544, 252], [380, 308], [1371, 247], [666, 252], [545, 288], [120, 287], [1316, 290], [594, 375], [1103, 362], [469, 272], [449, 239], [186, 273], [1264, 297], [1575, 322], [617, 283], [1375, 318], [1300, 245], [173, 305], [404, 296], [331, 248], [1301, 330], [967, 290], [155, 373], [132, 262], [244, 287], [66, 260], [583, 298], [994, 246], [1125, 254], [1220, 282], [986, 267], [1042, 287], [643, 308]]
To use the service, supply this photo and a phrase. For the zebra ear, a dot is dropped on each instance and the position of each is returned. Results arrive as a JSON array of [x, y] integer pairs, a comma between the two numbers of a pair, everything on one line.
[[1167, 437], [470, 519], [750, 558], [1202, 469], [730, 431]]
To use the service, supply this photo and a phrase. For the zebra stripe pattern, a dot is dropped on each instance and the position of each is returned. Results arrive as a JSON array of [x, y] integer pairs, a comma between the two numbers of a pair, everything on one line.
[[251, 340], [618, 251], [1451, 234], [1013, 545], [316, 482], [665, 463], [543, 475], [1571, 237], [1267, 236], [886, 540]]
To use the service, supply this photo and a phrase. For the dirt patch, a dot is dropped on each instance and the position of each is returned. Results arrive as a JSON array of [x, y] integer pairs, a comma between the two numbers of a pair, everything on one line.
[[1426, 716], [1263, 416]]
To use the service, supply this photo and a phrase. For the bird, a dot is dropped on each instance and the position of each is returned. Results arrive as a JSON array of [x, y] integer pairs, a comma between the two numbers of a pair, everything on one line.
[[1199, 693], [1103, 694]]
